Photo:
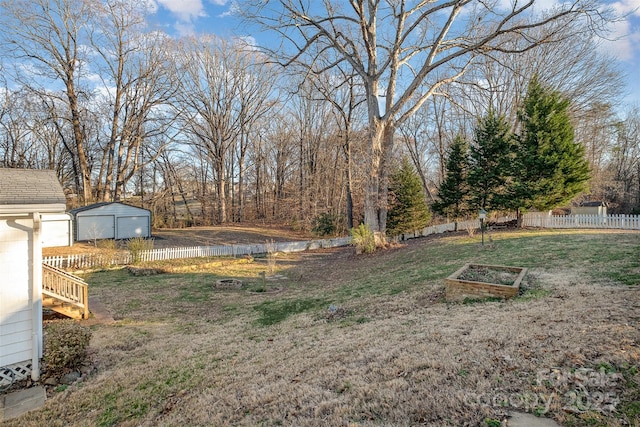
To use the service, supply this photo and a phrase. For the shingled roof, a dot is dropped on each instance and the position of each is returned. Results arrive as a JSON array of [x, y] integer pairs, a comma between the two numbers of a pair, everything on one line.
[[30, 187]]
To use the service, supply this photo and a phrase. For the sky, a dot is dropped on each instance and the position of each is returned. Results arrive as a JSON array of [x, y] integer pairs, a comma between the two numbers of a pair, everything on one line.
[[186, 17]]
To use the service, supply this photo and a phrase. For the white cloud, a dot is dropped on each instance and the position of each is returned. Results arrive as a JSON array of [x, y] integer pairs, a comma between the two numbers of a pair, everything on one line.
[[94, 78], [233, 9], [248, 42], [623, 41], [625, 7], [185, 28], [185, 10], [218, 2], [538, 6]]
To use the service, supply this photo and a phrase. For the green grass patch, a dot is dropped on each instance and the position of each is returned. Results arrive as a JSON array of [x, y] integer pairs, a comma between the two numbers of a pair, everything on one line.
[[272, 312], [626, 278], [472, 301]]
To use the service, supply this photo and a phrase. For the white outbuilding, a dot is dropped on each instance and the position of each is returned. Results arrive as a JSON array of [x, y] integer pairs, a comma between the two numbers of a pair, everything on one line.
[[25, 196], [110, 221], [598, 208], [57, 230]]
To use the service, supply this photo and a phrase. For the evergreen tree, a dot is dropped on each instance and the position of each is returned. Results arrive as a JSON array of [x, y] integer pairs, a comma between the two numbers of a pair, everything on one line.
[[408, 209], [490, 163], [453, 191], [550, 168]]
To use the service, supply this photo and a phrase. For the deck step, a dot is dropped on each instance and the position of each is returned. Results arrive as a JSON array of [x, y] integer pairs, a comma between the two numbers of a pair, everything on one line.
[[63, 308], [64, 293]]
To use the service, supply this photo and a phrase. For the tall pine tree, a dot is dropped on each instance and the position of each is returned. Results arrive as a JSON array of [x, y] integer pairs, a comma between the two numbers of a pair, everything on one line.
[[408, 210], [550, 168], [452, 193], [490, 163]]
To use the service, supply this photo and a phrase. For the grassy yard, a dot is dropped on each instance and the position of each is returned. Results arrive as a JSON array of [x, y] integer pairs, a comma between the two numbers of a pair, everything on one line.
[[389, 351]]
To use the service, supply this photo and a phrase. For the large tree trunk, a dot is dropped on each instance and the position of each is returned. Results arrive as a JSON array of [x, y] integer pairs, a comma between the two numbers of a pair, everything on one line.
[[221, 190], [78, 136], [377, 188], [348, 177]]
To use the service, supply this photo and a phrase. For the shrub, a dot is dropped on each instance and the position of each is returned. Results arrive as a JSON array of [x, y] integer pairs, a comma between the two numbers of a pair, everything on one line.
[[325, 224], [363, 239], [65, 345], [408, 210], [136, 245]]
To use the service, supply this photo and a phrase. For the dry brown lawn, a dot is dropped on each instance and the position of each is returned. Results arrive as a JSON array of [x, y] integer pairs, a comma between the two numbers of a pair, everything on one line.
[[185, 353]]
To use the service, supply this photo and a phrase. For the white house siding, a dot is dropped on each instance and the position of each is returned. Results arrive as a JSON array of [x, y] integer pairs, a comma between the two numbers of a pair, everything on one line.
[[16, 275]]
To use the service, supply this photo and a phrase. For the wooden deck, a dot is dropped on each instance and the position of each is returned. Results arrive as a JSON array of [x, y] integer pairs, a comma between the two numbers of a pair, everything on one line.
[[64, 293]]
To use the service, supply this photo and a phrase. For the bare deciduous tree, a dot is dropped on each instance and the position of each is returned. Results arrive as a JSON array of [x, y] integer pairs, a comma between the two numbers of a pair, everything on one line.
[[405, 51], [137, 82], [339, 87], [624, 166], [48, 35], [224, 90]]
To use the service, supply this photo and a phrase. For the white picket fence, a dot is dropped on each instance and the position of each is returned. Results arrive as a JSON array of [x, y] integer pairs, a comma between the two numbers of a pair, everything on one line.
[[622, 222], [89, 260], [441, 228]]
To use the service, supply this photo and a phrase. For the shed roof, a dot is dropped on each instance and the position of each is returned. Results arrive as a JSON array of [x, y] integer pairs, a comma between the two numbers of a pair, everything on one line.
[[595, 203], [20, 187], [101, 204]]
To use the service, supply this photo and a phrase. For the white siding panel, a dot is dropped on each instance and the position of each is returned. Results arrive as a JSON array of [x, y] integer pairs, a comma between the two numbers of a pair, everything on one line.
[[96, 227], [17, 337], [15, 352], [13, 301], [12, 234], [17, 316], [15, 308], [16, 324], [132, 226]]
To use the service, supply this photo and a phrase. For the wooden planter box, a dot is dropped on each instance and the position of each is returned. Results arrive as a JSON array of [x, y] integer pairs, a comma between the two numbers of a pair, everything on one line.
[[464, 283]]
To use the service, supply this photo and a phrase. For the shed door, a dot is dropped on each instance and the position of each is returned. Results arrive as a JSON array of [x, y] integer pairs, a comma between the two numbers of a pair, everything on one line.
[[132, 226], [95, 227]]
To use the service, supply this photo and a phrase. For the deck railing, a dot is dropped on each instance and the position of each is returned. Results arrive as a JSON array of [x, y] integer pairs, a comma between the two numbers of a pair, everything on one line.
[[66, 288]]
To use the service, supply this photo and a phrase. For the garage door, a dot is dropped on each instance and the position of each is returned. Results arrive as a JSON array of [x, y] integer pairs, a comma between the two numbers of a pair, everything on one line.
[[95, 227], [132, 226]]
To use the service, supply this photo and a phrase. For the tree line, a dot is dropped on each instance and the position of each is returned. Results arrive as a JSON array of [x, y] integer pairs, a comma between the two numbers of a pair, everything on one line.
[[539, 166], [210, 130]]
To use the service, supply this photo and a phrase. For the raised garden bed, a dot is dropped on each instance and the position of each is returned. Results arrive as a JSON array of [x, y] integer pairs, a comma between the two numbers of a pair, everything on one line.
[[228, 284], [480, 281]]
